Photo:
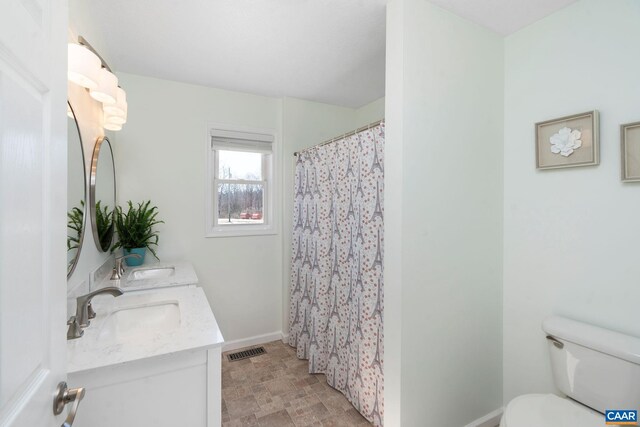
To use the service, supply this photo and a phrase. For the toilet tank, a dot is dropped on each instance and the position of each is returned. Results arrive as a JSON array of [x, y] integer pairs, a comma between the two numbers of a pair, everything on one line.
[[594, 366]]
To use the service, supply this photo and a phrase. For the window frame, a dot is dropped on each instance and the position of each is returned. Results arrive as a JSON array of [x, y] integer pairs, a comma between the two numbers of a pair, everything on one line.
[[269, 226]]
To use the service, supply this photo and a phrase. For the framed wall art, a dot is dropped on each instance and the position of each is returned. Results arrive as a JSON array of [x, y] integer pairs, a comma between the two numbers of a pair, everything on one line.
[[630, 149], [567, 142]]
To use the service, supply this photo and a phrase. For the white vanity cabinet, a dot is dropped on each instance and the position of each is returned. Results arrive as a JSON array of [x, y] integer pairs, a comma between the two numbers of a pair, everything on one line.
[[149, 359], [173, 390]]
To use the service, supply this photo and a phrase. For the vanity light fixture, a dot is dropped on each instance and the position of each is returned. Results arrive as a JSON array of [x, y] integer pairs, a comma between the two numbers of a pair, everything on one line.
[[120, 106], [87, 68], [118, 118], [83, 66], [112, 126], [107, 87]]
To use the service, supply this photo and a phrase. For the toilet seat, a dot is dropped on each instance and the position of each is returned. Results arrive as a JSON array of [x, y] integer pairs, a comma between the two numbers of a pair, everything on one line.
[[549, 410]]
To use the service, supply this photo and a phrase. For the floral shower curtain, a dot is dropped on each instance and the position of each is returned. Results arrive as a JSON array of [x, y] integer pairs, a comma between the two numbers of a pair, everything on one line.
[[336, 306]]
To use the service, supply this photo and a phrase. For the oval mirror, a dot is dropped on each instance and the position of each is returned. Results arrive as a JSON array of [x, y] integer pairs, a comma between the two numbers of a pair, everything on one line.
[[102, 193], [76, 191]]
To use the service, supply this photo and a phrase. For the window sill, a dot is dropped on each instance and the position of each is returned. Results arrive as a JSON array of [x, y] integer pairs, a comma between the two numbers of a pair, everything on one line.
[[241, 231]]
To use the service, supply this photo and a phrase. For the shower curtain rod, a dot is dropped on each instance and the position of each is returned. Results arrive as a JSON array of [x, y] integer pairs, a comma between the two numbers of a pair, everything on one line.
[[353, 132]]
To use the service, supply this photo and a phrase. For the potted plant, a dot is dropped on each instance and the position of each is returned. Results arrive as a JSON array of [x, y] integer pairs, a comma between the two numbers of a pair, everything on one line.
[[135, 231]]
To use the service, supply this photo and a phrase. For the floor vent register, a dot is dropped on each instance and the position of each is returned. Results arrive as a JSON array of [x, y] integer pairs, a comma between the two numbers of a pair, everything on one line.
[[245, 354]]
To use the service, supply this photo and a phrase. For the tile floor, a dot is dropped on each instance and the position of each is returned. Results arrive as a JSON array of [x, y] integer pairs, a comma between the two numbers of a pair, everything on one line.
[[276, 390]]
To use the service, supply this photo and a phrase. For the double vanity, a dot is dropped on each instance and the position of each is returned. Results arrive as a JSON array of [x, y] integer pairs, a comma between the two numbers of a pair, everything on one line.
[[143, 345], [152, 355]]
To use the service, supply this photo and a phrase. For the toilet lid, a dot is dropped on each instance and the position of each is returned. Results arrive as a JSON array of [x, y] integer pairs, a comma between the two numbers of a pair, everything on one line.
[[542, 410]]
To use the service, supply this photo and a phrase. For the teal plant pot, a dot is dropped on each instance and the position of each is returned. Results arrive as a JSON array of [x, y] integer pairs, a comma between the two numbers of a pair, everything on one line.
[[134, 261]]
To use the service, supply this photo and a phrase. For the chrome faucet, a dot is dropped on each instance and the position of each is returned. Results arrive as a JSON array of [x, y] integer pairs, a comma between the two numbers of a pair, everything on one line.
[[118, 269], [84, 311]]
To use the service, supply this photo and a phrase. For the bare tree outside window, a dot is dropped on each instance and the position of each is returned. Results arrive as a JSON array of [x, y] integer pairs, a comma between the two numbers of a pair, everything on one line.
[[240, 188]]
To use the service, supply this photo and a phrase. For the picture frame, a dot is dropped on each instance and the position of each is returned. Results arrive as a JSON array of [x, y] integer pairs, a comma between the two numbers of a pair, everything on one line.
[[567, 142], [630, 151]]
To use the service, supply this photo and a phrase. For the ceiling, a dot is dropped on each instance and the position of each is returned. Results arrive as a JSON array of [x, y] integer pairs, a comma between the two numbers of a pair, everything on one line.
[[330, 51], [503, 16]]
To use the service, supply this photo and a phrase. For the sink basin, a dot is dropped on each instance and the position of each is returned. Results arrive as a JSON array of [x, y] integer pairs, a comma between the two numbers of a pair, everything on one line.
[[125, 323], [152, 273]]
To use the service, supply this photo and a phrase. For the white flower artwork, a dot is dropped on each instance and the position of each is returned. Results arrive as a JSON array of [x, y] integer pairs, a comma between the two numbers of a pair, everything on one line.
[[566, 141]]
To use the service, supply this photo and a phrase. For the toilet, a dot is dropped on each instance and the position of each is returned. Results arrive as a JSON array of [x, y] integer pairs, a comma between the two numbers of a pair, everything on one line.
[[595, 368]]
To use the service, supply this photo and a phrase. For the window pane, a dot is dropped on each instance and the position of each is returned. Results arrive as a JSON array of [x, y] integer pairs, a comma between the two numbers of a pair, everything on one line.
[[240, 203], [239, 165]]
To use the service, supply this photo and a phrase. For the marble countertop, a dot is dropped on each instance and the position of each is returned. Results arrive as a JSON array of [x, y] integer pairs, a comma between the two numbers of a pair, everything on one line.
[[184, 274], [195, 327]]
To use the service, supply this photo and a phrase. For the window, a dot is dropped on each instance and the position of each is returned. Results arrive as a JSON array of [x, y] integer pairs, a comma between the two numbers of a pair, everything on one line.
[[240, 183]]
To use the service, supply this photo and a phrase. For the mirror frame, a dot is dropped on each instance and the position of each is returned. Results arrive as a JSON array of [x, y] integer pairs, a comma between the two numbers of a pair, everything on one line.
[[71, 269], [92, 189]]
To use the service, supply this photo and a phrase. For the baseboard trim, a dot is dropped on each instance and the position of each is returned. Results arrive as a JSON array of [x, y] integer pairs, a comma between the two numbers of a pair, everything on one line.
[[256, 340], [492, 419]]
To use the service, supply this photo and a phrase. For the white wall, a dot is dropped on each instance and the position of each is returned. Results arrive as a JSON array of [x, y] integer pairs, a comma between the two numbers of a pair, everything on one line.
[[369, 113], [83, 23], [161, 157], [443, 207], [570, 236], [393, 201]]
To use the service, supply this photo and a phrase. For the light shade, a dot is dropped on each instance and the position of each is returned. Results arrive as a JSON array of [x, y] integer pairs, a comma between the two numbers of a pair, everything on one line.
[[106, 91], [112, 126], [83, 66], [120, 107], [117, 118]]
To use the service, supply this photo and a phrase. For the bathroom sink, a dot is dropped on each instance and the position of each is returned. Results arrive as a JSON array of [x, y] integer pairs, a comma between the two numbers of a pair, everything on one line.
[[152, 273], [143, 324], [130, 322], [153, 276]]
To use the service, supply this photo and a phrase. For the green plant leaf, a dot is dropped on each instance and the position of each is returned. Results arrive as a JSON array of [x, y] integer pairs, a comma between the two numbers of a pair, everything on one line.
[[135, 227], [75, 220]]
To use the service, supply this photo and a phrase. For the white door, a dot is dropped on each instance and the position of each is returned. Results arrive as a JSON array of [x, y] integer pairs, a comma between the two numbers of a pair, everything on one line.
[[33, 190]]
